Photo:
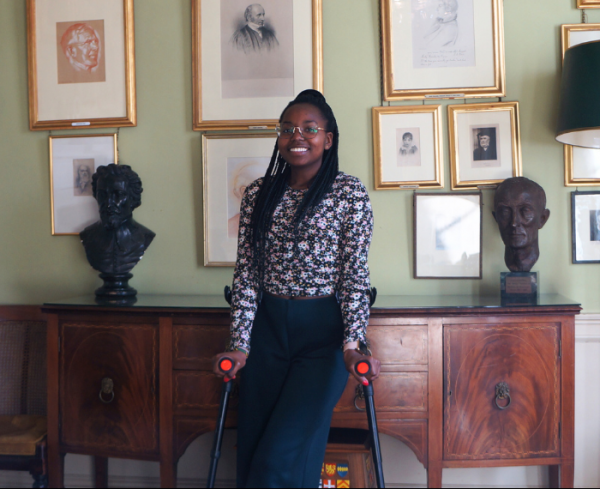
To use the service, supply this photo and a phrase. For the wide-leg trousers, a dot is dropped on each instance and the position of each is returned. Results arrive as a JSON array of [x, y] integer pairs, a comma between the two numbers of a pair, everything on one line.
[[293, 379]]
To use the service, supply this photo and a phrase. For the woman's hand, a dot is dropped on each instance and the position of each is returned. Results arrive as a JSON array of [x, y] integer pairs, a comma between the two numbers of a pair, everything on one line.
[[239, 362], [352, 357]]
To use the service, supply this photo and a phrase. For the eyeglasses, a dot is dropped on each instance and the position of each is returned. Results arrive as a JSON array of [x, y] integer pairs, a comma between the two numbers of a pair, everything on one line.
[[286, 131]]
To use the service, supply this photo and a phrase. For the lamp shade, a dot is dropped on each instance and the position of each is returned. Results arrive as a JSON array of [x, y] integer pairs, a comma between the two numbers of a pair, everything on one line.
[[579, 116]]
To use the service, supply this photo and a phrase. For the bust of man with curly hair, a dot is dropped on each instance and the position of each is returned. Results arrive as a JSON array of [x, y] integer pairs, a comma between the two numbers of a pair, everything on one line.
[[116, 243]]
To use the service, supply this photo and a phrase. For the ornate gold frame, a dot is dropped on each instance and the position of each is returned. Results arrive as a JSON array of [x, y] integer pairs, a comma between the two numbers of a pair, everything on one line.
[[246, 124], [453, 112], [588, 3], [50, 138], [436, 112], [129, 120], [205, 138], [566, 29], [497, 90], [570, 180]]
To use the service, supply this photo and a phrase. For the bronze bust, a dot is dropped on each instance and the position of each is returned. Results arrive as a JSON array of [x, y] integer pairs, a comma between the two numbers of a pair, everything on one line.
[[520, 211], [116, 243]]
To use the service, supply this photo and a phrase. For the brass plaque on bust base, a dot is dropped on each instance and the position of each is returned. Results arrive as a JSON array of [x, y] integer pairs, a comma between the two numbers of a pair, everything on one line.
[[519, 287]]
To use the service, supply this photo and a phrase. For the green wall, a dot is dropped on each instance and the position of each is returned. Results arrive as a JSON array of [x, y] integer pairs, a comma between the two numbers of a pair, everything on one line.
[[36, 267]]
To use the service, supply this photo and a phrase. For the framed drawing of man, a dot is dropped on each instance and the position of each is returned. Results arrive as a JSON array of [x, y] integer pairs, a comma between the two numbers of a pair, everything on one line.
[[250, 59], [407, 147], [442, 49], [73, 162], [81, 64], [230, 163], [485, 144], [585, 227]]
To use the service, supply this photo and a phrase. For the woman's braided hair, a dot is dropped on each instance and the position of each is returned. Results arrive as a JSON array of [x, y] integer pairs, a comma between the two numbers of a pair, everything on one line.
[[275, 181]]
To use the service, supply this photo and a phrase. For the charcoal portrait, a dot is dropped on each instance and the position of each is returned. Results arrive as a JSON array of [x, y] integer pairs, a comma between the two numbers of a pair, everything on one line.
[[80, 51], [407, 146], [83, 169], [595, 225], [485, 147], [257, 48]]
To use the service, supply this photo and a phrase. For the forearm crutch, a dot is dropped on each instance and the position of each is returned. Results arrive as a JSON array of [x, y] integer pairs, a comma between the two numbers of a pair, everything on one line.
[[226, 365], [363, 368]]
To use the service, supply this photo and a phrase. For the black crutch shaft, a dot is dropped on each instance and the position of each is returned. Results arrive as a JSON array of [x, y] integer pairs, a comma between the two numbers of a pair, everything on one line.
[[215, 453]]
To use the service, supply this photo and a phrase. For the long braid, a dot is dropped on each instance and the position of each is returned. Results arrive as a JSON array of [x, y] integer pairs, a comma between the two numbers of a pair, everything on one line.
[[277, 176]]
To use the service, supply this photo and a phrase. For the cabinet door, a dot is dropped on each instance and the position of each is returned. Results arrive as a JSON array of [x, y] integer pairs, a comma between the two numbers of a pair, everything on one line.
[[482, 420], [124, 418]]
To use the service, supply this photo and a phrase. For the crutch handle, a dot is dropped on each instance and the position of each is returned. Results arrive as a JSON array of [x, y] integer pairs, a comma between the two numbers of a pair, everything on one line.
[[226, 365], [363, 367]]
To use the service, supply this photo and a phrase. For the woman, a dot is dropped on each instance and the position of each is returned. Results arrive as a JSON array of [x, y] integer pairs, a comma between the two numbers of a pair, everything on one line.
[[300, 293]]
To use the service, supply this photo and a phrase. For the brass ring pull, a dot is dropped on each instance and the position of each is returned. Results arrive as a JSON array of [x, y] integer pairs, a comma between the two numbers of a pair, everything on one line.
[[107, 389], [502, 393], [359, 395]]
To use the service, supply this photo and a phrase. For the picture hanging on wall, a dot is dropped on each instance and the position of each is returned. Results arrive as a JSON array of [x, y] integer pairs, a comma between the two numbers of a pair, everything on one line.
[[81, 64], [582, 165], [251, 59], [485, 144], [230, 162], [447, 235], [73, 161], [588, 3], [407, 147], [585, 219], [450, 49]]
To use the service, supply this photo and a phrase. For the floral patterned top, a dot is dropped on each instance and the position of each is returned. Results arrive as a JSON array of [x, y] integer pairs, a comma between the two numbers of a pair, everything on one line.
[[330, 256]]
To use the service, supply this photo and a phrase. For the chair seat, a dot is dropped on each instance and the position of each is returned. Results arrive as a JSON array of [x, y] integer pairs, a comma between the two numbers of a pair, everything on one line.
[[19, 435]]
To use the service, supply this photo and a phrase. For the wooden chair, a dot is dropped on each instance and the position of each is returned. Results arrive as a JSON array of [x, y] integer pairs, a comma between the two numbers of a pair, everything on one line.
[[23, 425]]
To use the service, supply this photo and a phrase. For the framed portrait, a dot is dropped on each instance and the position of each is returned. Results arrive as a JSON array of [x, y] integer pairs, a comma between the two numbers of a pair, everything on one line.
[[230, 162], [250, 59], [81, 64], [582, 165], [407, 147], [585, 219], [588, 3], [485, 144], [442, 49], [447, 235], [73, 161]]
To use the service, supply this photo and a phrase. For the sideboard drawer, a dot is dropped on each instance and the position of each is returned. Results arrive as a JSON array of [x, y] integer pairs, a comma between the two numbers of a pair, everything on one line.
[[394, 392], [399, 345], [480, 421], [195, 345], [199, 391], [124, 357]]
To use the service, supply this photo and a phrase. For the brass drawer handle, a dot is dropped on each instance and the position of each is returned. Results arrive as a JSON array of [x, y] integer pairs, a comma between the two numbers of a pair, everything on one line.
[[502, 393], [359, 394], [107, 390]]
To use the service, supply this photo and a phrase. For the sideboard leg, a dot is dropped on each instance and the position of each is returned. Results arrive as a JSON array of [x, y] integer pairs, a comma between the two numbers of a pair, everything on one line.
[[168, 474], [567, 475], [434, 475], [553, 476], [100, 472]]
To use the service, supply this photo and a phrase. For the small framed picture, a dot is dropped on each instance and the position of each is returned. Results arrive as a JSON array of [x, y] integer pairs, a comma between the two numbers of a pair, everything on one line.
[[73, 161], [407, 147], [447, 235], [251, 59], [230, 162], [81, 64], [585, 218], [485, 144], [588, 3], [442, 49]]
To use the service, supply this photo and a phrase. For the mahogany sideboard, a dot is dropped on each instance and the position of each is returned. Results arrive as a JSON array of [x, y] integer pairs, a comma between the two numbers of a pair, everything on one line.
[[466, 381]]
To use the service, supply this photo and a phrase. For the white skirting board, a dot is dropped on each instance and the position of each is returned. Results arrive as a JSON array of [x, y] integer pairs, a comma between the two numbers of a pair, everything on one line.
[[401, 467]]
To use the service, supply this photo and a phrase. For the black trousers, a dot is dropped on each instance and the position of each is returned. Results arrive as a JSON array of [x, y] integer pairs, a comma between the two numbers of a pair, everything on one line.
[[293, 379]]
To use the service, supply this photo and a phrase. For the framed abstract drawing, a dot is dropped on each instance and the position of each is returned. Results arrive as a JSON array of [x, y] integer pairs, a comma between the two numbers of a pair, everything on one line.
[[407, 147], [73, 161], [588, 3], [447, 239], [485, 144], [442, 49], [81, 64], [585, 219], [230, 163], [251, 59]]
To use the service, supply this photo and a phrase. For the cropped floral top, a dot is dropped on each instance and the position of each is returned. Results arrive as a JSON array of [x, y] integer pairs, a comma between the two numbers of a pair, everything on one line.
[[329, 255]]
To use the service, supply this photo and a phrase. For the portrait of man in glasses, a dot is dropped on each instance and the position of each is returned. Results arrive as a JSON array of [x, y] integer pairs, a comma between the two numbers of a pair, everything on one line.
[[80, 51]]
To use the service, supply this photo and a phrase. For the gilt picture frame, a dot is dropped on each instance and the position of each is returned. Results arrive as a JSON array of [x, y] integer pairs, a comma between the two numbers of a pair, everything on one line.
[[447, 237], [81, 64], [230, 162], [453, 53], [251, 59], [73, 161], [588, 3], [485, 144], [407, 146]]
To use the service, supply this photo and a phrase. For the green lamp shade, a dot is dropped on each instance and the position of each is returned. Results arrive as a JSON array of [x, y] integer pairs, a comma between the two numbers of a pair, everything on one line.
[[579, 116]]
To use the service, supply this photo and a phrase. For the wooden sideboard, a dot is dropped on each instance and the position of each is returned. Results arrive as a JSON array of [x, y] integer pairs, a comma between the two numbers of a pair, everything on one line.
[[465, 382]]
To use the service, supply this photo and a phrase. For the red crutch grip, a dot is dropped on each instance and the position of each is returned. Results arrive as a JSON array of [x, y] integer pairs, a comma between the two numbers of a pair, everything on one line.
[[363, 368], [226, 365]]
